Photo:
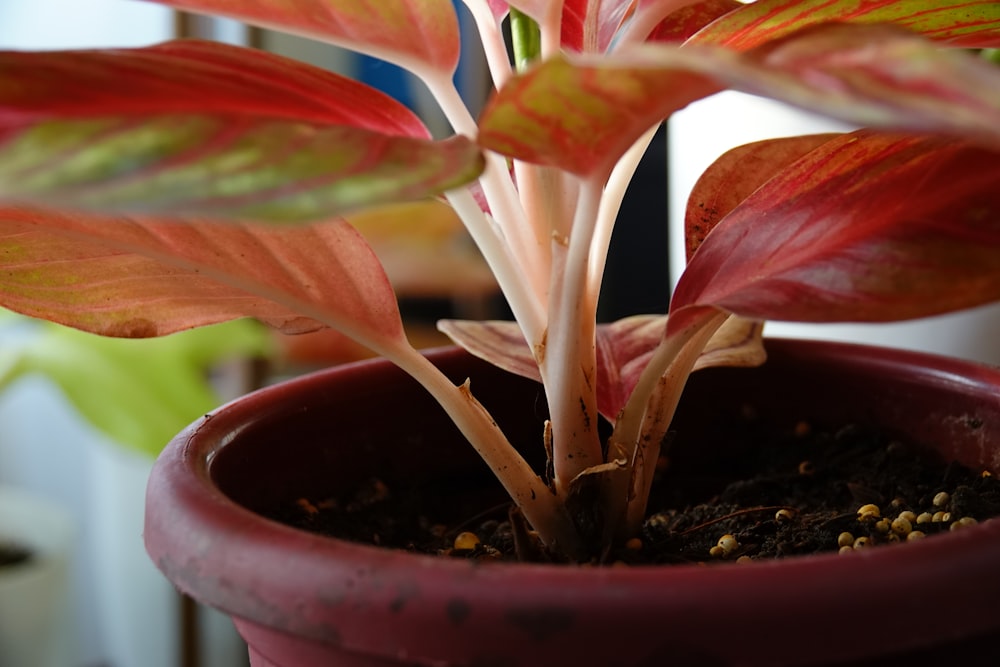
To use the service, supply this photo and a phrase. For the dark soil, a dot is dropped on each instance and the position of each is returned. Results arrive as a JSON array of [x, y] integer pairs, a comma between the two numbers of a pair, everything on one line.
[[12, 553], [775, 496]]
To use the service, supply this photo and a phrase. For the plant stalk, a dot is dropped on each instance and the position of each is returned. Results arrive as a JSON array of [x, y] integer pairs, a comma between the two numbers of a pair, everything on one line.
[[543, 509], [569, 365]]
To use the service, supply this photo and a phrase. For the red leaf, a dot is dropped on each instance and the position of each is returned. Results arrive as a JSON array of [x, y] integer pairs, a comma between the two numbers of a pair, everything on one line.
[[146, 277], [966, 23], [191, 77], [867, 227], [685, 22], [418, 33], [734, 176], [580, 114], [625, 347]]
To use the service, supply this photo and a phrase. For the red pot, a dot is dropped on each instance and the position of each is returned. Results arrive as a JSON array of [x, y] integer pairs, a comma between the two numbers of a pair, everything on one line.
[[301, 600]]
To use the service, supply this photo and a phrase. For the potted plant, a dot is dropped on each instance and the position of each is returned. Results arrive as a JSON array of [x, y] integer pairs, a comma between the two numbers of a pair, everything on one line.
[[157, 189]]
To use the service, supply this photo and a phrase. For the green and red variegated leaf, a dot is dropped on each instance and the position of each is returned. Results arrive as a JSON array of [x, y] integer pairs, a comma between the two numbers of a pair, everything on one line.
[[410, 33], [623, 350], [965, 23], [213, 130], [146, 277], [581, 114], [190, 76], [867, 227], [877, 75], [222, 166], [734, 176]]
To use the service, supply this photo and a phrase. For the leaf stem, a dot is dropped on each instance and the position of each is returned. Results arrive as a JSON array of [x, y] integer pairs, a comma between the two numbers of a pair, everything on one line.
[[491, 37], [525, 38], [569, 363], [650, 408], [524, 303], [498, 187], [541, 507], [611, 201]]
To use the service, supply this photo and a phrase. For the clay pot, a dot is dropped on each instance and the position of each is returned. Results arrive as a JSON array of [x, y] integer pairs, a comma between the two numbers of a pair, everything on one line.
[[301, 600]]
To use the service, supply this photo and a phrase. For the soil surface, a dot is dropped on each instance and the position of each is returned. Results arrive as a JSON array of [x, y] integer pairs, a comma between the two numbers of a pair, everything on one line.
[[806, 492]]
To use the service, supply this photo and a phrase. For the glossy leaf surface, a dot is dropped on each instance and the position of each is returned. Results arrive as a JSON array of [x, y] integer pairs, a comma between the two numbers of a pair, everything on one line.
[[191, 76], [581, 114], [734, 176], [623, 350], [684, 22], [972, 23], [223, 166], [192, 134], [423, 33], [867, 227], [145, 277]]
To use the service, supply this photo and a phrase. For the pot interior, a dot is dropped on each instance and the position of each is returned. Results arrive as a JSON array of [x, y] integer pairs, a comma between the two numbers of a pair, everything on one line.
[[375, 422]]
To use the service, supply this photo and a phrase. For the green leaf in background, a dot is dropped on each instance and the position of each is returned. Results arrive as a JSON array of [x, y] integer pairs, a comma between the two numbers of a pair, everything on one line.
[[139, 393]]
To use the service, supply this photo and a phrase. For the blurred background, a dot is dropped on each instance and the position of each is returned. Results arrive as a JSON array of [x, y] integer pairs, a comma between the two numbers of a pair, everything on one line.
[[82, 418]]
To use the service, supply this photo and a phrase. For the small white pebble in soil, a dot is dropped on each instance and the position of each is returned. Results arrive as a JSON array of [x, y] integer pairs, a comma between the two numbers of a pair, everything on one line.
[[869, 512], [901, 526], [941, 499], [466, 541], [964, 522], [784, 515], [728, 543]]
